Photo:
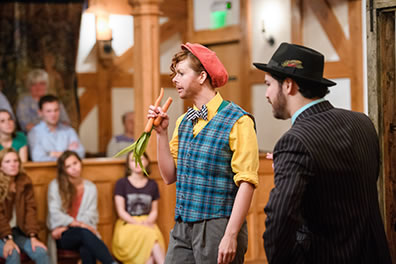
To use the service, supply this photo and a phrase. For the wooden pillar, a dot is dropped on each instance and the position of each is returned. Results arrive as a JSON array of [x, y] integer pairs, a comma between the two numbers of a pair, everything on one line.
[[245, 44], [105, 64], [146, 63], [356, 58]]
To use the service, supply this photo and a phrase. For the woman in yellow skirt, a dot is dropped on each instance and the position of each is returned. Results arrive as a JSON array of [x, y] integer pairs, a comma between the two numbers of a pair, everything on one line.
[[137, 239]]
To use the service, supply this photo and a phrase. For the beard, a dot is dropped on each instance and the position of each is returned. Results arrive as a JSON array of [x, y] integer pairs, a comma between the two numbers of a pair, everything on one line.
[[279, 109]]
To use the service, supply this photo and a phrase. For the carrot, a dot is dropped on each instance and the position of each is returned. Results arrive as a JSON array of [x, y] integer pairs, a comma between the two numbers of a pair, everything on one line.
[[165, 107], [150, 122]]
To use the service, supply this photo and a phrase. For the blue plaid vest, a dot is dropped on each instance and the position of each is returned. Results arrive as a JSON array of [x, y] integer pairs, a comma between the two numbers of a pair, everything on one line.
[[205, 188]]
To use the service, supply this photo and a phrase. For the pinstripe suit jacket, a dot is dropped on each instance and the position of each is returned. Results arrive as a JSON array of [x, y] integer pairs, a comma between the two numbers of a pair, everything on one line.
[[324, 206]]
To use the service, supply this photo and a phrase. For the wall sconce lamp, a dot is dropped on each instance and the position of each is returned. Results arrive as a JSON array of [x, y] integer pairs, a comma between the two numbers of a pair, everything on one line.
[[103, 35], [270, 39]]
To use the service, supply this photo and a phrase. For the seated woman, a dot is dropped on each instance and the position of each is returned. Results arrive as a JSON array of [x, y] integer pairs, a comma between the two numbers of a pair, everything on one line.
[[137, 239], [18, 222], [73, 214], [11, 139]]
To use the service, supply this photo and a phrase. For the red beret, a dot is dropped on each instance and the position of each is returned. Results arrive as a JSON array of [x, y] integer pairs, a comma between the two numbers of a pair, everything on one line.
[[210, 62]]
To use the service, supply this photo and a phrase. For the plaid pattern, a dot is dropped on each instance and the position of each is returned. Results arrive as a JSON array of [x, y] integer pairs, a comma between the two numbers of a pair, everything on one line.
[[205, 188]]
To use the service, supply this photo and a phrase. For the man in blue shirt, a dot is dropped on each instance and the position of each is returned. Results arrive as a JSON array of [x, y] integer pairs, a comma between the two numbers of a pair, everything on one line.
[[50, 138]]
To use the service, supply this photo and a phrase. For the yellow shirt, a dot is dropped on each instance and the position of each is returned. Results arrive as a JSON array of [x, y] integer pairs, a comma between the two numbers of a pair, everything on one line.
[[243, 143]]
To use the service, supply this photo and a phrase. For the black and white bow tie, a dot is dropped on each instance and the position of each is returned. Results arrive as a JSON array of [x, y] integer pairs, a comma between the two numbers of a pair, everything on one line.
[[193, 115]]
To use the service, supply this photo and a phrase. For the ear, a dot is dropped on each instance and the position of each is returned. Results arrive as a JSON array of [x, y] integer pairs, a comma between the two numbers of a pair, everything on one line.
[[40, 113], [291, 86], [203, 75]]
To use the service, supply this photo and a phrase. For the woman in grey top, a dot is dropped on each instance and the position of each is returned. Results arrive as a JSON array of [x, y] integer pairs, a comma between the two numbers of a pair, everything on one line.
[[72, 212]]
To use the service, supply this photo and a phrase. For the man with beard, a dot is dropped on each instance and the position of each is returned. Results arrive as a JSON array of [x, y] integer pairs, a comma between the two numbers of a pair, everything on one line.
[[324, 206]]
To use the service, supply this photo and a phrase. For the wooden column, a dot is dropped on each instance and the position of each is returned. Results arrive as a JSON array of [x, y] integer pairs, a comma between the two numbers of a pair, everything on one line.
[[103, 82], [146, 63], [246, 44]]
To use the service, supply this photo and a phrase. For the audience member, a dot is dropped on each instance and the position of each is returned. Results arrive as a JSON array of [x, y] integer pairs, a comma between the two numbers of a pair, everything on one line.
[[4, 104], [49, 138], [18, 220], [136, 238], [119, 142], [11, 139], [73, 214], [27, 108]]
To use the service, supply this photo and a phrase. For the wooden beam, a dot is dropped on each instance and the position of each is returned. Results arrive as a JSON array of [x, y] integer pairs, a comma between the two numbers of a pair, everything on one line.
[[379, 4], [87, 100], [103, 90], [356, 54], [336, 69], [120, 7], [122, 80], [256, 76], [332, 27], [125, 61], [86, 79], [217, 36], [167, 30], [245, 49], [126, 80], [174, 8], [190, 20], [297, 22]]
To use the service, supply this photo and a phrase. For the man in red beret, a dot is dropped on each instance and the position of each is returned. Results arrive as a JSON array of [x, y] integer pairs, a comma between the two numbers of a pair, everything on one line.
[[213, 158]]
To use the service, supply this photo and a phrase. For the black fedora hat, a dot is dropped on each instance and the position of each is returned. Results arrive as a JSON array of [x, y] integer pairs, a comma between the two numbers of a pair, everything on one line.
[[297, 62]]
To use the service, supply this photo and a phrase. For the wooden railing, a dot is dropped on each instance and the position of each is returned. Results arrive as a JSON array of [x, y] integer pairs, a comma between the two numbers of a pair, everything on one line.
[[105, 172]]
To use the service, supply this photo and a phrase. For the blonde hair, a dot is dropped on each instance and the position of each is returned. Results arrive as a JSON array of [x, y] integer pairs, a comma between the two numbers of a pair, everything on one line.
[[35, 76], [4, 179], [67, 190]]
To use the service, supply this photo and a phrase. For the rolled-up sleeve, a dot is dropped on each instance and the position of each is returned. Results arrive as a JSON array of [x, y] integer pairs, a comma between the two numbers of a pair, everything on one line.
[[245, 158]]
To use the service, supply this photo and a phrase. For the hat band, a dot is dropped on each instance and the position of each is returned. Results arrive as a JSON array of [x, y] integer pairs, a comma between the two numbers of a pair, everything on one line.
[[294, 71]]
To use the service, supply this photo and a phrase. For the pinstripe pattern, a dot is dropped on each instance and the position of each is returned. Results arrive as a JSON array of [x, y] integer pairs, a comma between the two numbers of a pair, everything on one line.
[[205, 188], [324, 207]]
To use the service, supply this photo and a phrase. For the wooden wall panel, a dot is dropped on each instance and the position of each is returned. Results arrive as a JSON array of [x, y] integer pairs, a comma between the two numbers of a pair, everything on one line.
[[256, 219], [232, 90]]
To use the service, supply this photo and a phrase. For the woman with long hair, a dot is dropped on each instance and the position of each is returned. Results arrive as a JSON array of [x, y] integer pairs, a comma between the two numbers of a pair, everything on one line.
[[18, 220], [9, 138], [137, 238], [73, 214]]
